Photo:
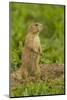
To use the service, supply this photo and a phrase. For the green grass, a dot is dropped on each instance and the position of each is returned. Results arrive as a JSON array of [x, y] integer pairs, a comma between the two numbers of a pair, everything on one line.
[[52, 35], [51, 87]]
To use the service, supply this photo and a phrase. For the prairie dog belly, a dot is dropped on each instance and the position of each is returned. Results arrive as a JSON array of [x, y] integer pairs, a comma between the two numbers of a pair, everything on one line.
[[33, 42], [36, 43]]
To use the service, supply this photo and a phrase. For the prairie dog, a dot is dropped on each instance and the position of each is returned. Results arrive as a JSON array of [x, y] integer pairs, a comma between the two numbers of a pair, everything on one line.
[[32, 50]]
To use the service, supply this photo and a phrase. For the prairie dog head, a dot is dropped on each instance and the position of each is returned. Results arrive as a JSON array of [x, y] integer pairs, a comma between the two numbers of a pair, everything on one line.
[[35, 28]]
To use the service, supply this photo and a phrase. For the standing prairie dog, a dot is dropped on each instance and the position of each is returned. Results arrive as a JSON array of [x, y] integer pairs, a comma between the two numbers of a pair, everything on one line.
[[31, 54], [32, 50]]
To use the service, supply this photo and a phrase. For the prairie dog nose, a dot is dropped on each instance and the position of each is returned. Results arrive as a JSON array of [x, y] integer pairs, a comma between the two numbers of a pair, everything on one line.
[[40, 26]]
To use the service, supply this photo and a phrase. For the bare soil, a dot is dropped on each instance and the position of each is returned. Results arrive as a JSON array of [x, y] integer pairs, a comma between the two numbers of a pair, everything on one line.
[[48, 72]]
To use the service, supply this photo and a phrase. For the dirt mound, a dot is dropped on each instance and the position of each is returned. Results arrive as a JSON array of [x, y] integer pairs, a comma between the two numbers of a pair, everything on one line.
[[52, 71], [48, 72]]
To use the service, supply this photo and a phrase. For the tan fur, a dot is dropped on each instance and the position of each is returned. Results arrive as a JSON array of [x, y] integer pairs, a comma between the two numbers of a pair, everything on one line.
[[31, 54]]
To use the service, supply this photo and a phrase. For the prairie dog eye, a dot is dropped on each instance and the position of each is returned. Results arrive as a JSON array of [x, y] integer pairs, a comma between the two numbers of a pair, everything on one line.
[[36, 24]]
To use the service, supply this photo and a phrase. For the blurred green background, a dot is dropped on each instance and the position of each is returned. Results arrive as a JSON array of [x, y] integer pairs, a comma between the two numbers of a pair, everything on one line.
[[51, 37]]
